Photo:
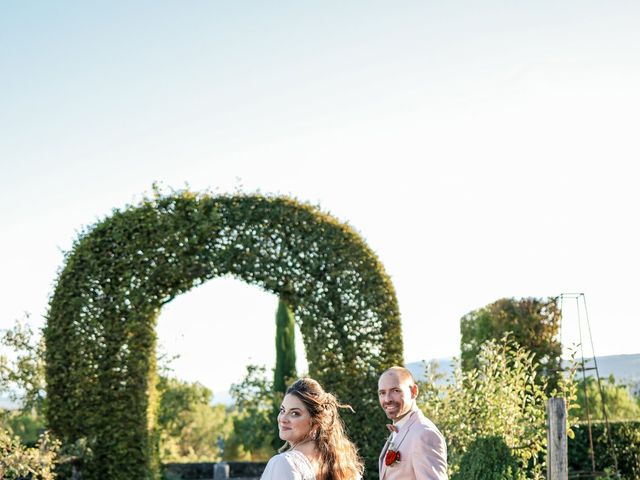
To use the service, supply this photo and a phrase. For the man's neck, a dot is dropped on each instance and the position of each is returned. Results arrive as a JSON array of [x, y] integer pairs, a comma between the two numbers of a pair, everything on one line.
[[400, 420]]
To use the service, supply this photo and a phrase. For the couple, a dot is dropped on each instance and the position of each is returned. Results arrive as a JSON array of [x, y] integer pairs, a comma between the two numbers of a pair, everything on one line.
[[317, 447]]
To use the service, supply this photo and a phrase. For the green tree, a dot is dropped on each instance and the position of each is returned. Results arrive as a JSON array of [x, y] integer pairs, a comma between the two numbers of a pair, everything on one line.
[[285, 369], [533, 323], [189, 425], [253, 422], [22, 380], [22, 366], [285, 347], [27, 426], [619, 403], [501, 397]]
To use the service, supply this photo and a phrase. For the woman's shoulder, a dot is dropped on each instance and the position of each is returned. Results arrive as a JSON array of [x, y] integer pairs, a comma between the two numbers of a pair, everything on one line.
[[291, 465]]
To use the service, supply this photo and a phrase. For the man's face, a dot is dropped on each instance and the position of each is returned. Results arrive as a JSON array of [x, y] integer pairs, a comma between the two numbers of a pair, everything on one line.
[[396, 395]]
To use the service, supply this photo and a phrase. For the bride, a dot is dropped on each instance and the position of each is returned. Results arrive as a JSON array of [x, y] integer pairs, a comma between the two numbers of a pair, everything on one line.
[[316, 447]]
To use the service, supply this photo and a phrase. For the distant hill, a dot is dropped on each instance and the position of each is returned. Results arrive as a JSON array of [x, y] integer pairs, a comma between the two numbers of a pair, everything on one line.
[[624, 368]]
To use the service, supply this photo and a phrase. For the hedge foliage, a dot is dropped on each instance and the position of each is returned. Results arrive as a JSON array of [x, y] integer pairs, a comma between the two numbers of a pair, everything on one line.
[[487, 458], [625, 438], [100, 334]]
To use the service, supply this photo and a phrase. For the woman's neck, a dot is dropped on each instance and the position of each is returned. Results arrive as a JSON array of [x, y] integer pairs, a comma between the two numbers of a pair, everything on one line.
[[308, 445], [309, 449]]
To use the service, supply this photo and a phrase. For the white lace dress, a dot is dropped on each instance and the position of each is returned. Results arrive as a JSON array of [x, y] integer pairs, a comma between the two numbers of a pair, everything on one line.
[[291, 465]]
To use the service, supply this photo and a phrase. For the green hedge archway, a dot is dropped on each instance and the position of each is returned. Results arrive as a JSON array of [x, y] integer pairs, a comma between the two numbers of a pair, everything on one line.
[[100, 332]]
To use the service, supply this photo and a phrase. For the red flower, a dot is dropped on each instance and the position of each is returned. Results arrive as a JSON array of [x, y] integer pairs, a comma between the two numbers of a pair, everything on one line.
[[391, 457]]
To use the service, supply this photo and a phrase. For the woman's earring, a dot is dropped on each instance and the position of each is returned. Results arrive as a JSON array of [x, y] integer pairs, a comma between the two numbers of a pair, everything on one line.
[[314, 434]]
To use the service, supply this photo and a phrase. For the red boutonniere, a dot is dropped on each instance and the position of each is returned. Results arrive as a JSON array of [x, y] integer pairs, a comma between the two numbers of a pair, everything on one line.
[[391, 457]]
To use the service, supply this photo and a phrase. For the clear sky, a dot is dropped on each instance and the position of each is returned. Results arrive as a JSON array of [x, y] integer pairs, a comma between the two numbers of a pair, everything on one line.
[[483, 150]]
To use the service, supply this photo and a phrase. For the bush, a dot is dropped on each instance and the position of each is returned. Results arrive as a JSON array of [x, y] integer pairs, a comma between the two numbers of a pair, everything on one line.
[[625, 437], [17, 461], [501, 397], [487, 458]]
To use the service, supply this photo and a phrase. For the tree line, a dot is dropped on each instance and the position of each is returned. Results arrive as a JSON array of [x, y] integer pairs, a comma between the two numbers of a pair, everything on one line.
[[510, 363]]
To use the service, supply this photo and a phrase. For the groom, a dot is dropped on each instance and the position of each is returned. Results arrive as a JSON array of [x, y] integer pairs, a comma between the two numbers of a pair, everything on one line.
[[416, 449]]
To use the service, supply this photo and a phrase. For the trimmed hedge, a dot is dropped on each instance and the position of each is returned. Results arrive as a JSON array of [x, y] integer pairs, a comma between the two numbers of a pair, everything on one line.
[[100, 333], [625, 437]]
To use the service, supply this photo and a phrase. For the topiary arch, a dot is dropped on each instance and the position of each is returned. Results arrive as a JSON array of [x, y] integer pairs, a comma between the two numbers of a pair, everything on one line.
[[100, 333]]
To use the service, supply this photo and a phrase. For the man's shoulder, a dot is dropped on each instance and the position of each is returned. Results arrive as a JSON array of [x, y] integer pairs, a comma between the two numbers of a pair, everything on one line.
[[426, 428]]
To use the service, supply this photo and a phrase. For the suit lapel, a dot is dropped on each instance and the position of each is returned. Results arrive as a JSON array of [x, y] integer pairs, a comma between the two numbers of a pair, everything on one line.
[[405, 429], [400, 436], [381, 465]]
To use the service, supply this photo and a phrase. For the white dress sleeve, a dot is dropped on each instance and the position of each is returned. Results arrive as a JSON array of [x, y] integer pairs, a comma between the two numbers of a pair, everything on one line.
[[279, 468]]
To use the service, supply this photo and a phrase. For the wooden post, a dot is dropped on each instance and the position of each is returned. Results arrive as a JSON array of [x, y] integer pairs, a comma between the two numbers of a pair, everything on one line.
[[557, 463]]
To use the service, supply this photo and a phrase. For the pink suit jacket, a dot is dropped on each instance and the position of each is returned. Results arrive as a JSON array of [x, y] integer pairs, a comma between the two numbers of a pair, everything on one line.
[[423, 452]]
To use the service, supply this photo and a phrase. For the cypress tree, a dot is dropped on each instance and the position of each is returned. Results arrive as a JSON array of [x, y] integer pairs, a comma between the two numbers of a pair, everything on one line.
[[285, 347], [285, 360]]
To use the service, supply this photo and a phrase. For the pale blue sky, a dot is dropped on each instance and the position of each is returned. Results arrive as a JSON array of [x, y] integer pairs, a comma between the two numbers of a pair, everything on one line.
[[483, 149]]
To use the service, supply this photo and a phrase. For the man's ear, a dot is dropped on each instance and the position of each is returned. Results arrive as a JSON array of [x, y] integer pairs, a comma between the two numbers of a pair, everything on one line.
[[414, 391]]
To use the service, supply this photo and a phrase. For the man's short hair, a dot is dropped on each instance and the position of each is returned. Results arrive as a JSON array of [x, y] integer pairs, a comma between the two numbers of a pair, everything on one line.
[[400, 372]]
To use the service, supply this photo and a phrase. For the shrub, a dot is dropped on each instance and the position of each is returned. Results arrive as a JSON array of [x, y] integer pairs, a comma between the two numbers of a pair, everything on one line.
[[17, 461], [501, 397], [625, 437], [487, 458]]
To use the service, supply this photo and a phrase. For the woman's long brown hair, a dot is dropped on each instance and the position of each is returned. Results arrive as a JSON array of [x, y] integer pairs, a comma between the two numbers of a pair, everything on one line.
[[339, 459]]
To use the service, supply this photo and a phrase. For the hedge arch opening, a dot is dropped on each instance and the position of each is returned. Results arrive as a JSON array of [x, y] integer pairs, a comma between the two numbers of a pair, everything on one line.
[[100, 333], [189, 334]]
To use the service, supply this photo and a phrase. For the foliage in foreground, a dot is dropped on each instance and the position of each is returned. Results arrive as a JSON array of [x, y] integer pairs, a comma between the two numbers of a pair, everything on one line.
[[501, 397], [18, 461]]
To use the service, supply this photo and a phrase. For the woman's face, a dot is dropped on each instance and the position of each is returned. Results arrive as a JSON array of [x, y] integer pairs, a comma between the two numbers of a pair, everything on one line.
[[294, 421]]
